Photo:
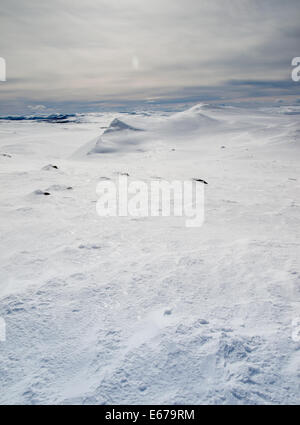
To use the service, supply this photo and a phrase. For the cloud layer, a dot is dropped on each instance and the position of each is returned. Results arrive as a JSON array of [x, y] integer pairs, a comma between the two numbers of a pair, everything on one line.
[[73, 52]]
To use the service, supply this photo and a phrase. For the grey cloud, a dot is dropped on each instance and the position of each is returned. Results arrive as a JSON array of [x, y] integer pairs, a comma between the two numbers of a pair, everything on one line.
[[73, 51]]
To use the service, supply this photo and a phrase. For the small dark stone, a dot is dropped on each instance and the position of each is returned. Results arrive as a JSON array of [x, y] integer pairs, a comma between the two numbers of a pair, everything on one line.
[[200, 180]]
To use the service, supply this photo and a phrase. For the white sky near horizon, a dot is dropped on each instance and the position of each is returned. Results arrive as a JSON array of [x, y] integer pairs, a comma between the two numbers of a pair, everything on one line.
[[84, 51]]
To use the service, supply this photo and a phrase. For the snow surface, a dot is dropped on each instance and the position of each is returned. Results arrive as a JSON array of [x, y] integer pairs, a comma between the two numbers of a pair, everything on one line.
[[145, 310]]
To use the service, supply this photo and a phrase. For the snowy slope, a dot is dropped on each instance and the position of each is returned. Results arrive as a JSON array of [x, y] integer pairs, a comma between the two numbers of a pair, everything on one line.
[[145, 310]]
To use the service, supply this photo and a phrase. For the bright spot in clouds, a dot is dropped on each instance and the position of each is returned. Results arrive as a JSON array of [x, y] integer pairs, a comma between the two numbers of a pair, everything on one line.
[[135, 63]]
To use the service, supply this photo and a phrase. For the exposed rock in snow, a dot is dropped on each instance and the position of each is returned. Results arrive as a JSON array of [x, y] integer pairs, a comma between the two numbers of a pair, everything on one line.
[[50, 167], [59, 187], [41, 192]]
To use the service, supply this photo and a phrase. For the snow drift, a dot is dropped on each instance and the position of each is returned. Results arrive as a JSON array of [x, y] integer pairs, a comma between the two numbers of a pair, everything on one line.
[[144, 310]]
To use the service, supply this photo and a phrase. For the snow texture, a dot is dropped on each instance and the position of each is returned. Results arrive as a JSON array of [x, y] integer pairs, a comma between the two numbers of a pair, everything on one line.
[[145, 310]]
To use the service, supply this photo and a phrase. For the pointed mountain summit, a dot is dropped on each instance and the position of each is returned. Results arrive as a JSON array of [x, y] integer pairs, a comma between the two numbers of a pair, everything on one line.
[[118, 125]]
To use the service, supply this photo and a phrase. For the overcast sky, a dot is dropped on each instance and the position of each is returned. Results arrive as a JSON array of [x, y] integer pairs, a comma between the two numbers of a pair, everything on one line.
[[81, 54]]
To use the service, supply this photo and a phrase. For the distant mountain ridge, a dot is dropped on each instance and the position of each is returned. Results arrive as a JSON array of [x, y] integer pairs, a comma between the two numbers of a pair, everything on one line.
[[60, 118]]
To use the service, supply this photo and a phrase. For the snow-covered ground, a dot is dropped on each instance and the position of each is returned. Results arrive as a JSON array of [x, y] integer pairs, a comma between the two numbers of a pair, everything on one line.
[[145, 310]]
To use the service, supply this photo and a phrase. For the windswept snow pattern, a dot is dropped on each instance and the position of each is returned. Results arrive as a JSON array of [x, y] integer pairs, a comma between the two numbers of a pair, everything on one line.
[[144, 310]]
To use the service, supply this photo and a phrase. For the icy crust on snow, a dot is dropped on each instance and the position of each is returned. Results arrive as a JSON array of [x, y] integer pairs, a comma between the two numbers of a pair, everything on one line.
[[145, 310]]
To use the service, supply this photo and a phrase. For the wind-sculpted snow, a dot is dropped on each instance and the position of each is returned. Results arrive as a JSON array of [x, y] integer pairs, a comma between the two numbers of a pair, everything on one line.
[[144, 310], [118, 137], [220, 127], [124, 137], [118, 125]]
